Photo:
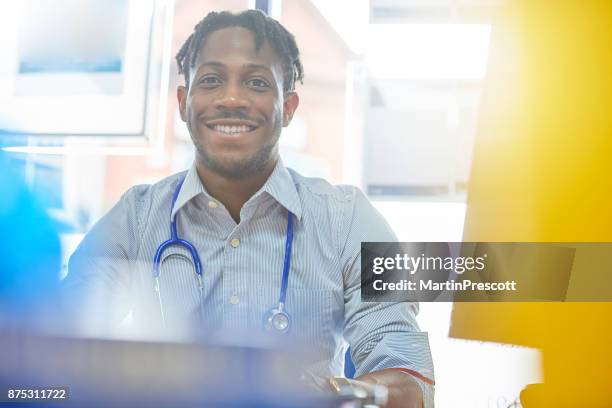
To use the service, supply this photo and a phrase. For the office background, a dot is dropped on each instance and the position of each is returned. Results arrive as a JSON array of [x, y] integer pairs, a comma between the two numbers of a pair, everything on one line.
[[391, 102]]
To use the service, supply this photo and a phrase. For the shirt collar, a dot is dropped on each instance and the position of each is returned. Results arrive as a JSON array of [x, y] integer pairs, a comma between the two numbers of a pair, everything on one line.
[[192, 186], [279, 185]]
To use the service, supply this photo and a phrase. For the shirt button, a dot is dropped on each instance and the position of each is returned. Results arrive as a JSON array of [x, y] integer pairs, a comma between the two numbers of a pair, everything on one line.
[[235, 242], [212, 204], [234, 300]]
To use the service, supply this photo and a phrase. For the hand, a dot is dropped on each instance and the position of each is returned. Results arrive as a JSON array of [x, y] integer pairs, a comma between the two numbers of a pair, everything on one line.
[[403, 390], [367, 394]]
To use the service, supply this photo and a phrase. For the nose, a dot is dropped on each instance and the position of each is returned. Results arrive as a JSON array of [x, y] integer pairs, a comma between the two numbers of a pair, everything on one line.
[[233, 97]]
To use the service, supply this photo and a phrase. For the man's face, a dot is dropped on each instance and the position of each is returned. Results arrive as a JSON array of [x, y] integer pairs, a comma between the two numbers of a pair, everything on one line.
[[235, 107]]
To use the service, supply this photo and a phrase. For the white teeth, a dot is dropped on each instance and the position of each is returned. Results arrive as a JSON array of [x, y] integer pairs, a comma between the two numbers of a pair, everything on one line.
[[232, 129]]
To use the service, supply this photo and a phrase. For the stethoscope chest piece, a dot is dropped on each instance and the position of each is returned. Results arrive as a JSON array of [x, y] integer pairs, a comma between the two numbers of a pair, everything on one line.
[[277, 321]]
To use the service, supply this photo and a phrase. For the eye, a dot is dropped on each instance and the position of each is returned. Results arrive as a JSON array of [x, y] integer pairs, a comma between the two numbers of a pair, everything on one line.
[[258, 84], [209, 81]]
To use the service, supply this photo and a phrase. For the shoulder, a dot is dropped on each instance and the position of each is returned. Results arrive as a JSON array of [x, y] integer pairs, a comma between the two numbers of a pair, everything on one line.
[[322, 189], [143, 193], [351, 211], [142, 198], [127, 218], [140, 201]]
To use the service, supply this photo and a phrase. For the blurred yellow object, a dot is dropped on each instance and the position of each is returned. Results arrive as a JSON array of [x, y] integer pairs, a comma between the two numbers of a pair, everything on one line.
[[542, 172]]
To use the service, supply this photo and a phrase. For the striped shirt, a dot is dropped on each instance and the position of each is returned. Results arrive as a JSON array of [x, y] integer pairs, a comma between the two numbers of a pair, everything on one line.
[[110, 273]]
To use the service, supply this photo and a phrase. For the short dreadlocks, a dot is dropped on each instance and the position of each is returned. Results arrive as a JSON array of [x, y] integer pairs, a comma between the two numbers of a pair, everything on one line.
[[264, 27]]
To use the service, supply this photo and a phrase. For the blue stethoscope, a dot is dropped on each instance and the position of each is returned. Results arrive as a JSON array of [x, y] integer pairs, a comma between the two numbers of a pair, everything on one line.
[[275, 320]]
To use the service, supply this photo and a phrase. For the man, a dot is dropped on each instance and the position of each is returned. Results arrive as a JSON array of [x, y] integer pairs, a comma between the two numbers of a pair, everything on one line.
[[254, 224]]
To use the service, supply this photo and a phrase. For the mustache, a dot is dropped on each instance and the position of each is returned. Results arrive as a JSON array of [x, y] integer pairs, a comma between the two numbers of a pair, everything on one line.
[[230, 114]]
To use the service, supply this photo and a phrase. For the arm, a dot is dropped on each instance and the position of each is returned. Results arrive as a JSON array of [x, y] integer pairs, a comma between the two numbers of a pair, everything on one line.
[[95, 292], [387, 345], [388, 349]]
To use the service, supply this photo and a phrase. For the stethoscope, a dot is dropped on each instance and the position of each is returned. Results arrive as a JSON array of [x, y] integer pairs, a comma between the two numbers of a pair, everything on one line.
[[276, 319]]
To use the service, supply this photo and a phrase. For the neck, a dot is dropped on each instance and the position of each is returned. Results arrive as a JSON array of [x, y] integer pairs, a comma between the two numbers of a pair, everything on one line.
[[233, 193]]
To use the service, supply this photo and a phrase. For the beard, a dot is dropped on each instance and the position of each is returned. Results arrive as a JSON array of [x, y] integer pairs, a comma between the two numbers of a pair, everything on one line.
[[238, 168]]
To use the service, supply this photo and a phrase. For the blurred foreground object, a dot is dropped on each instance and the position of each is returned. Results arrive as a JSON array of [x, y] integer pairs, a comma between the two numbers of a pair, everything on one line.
[[542, 173], [102, 373], [30, 256]]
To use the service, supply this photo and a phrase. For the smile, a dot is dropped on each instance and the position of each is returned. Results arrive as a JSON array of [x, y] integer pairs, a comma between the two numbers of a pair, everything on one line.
[[231, 130]]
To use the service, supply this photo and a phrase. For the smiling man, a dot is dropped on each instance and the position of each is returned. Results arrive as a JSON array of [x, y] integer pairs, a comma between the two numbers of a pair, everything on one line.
[[239, 241]]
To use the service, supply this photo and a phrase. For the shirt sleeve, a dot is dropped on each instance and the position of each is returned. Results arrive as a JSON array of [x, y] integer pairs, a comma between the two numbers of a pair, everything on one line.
[[95, 292], [382, 335]]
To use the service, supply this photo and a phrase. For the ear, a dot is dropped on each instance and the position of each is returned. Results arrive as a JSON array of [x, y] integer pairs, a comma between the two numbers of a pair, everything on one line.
[[181, 95], [290, 104]]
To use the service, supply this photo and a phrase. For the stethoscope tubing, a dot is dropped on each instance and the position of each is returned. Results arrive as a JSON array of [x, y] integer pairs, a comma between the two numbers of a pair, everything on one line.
[[175, 240]]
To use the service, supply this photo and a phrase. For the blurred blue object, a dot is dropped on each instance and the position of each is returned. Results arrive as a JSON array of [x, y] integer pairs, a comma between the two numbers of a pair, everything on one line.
[[349, 367], [30, 252]]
